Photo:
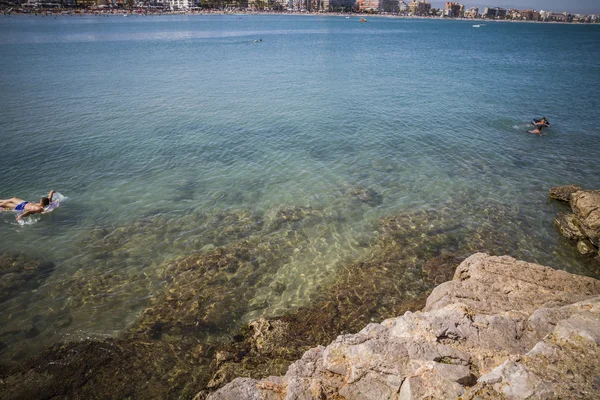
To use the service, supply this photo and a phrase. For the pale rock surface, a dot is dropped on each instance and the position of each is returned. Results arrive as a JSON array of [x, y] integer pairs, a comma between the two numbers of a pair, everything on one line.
[[586, 206], [500, 328]]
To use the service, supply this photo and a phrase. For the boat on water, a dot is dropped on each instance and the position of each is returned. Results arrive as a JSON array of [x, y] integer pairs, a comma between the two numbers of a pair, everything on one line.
[[477, 26], [363, 20]]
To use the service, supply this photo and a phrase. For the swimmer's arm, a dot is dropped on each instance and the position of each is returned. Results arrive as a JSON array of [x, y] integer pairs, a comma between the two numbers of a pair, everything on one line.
[[26, 213], [51, 194]]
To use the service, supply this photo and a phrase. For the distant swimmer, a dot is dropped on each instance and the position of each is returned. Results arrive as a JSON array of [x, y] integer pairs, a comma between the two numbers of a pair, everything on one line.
[[543, 122], [539, 124], [26, 208]]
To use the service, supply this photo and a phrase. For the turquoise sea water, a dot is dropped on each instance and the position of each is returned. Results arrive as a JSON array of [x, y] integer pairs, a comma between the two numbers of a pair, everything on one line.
[[174, 117]]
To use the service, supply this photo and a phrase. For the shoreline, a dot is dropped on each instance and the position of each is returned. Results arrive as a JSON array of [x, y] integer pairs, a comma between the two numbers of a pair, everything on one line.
[[66, 12]]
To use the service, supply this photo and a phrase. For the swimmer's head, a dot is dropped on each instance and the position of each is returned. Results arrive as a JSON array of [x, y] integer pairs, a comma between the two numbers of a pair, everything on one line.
[[45, 201]]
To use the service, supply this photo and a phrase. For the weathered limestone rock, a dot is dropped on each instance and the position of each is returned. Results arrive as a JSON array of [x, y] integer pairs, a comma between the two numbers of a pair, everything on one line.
[[563, 193], [490, 285], [567, 226], [515, 381], [585, 247], [498, 329], [586, 206], [559, 366], [583, 225]]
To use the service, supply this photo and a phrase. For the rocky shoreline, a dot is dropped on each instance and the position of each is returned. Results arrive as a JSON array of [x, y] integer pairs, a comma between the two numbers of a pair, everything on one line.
[[502, 328], [169, 351]]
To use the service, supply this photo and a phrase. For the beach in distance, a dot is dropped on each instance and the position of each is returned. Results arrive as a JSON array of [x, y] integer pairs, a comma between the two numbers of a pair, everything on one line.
[[241, 12], [219, 168]]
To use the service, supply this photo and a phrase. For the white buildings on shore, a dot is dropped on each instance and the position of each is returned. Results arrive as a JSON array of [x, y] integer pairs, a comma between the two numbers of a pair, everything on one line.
[[406, 7], [179, 4]]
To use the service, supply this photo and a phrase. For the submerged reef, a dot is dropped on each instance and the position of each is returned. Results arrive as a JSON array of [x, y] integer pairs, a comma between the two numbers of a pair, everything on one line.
[[19, 272], [219, 295]]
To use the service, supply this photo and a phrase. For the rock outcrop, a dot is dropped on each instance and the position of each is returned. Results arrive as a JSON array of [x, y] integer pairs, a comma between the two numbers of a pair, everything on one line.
[[563, 193], [583, 223], [501, 328]]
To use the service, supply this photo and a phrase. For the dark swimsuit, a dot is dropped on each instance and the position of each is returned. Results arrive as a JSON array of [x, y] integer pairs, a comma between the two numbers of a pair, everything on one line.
[[21, 206]]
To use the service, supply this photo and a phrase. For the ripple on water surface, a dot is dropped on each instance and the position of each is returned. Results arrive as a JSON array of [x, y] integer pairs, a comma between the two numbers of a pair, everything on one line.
[[193, 158]]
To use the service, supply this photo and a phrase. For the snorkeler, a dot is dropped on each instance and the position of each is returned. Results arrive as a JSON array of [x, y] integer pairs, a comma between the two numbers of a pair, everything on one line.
[[26, 208], [539, 124]]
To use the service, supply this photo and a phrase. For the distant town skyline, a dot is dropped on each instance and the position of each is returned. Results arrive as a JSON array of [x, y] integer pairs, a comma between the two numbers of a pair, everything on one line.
[[572, 6]]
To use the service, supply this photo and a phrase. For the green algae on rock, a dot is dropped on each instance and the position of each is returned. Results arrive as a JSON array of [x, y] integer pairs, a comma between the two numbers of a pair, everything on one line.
[[111, 368], [19, 272]]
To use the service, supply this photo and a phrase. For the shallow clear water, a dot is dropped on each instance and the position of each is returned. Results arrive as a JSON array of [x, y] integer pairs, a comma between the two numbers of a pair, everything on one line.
[[156, 127]]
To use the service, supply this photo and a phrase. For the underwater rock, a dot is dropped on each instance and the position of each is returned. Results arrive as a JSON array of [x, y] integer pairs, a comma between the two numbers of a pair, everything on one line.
[[563, 193], [18, 272], [205, 291], [233, 225], [98, 289], [363, 195], [111, 368], [383, 166], [117, 269], [441, 269], [473, 340], [305, 216]]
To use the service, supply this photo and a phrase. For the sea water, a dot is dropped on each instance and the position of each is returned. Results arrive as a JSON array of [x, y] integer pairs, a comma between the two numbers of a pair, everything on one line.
[[152, 126]]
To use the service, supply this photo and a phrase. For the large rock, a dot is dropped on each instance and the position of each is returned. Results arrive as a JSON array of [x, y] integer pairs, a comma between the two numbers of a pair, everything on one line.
[[491, 285], [563, 193], [586, 206], [583, 225], [568, 226], [498, 329]]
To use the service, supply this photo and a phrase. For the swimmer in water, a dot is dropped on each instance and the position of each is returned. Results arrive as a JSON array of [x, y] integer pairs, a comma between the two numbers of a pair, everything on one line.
[[26, 208], [539, 124]]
